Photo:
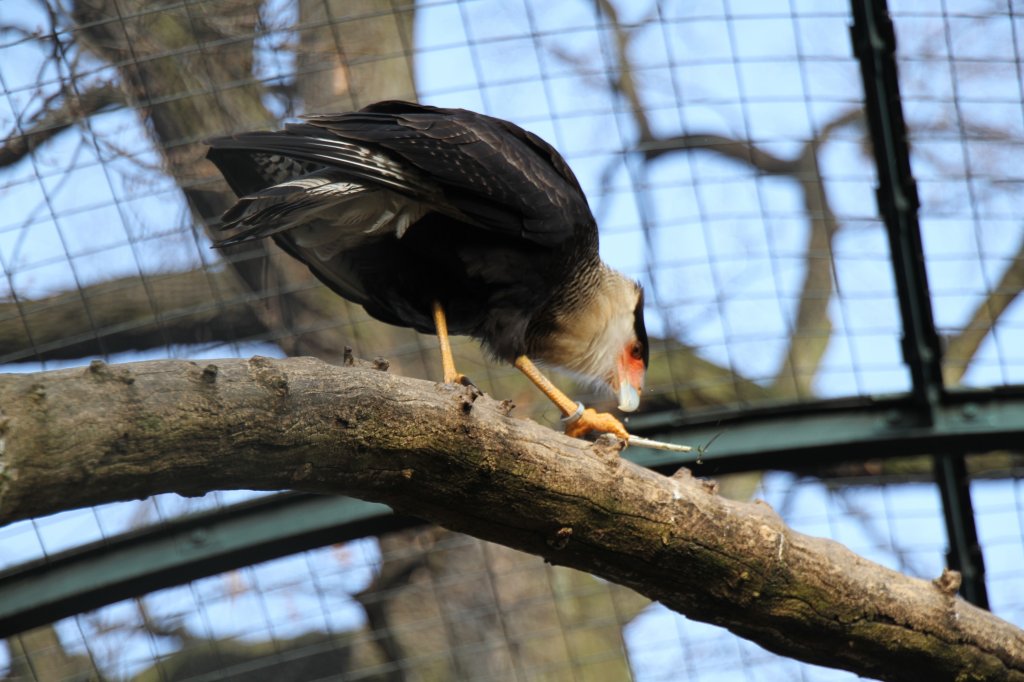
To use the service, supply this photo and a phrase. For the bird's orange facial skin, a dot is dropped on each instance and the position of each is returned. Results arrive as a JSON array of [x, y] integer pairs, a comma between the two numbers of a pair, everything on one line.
[[629, 381]]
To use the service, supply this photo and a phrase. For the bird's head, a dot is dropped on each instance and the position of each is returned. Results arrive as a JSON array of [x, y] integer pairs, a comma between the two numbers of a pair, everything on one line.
[[603, 337]]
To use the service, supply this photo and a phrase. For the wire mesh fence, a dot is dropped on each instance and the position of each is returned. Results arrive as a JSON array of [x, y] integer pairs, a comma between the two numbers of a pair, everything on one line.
[[725, 153]]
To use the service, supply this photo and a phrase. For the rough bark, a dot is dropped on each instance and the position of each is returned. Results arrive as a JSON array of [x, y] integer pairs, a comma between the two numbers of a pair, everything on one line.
[[85, 436]]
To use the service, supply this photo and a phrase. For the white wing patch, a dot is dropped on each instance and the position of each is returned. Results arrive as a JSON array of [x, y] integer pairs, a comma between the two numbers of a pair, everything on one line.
[[323, 213]]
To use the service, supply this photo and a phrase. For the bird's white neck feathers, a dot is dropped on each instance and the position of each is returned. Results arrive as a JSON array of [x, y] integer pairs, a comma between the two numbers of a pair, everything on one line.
[[594, 331]]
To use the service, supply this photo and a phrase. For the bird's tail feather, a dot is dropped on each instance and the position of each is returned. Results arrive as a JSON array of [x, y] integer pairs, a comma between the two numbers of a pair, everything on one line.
[[322, 211], [357, 161]]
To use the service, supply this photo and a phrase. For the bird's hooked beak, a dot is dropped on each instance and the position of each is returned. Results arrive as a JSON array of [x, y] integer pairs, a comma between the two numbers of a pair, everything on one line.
[[628, 381]]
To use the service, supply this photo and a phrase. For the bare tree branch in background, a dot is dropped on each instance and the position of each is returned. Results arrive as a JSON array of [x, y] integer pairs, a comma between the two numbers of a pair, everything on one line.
[[812, 328], [963, 346], [59, 113], [131, 313]]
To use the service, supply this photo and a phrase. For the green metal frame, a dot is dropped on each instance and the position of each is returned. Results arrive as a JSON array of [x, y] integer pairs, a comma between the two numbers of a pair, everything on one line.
[[797, 436], [176, 552], [928, 420], [874, 43]]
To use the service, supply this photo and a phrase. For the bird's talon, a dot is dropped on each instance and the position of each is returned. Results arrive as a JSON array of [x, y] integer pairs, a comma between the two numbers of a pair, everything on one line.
[[458, 378], [592, 420]]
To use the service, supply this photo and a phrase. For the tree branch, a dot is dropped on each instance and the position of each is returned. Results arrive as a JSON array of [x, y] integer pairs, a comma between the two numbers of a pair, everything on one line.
[[960, 349], [131, 313], [742, 151], [624, 81], [812, 325], [52, 120], [812, 328], [79, 437]]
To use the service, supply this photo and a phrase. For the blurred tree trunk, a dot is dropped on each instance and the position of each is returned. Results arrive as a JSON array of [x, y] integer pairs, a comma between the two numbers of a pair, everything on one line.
[[186, 95], [348, 64], [39, 656]]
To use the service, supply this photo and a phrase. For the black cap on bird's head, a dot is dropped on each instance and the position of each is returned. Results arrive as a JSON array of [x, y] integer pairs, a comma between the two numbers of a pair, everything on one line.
[[632, 365], [639, 328]]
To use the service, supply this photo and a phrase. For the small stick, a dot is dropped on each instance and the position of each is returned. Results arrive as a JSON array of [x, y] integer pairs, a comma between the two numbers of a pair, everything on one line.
[[658, 445]]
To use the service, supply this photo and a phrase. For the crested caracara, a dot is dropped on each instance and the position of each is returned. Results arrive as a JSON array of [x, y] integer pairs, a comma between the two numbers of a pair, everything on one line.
[[447, 221]]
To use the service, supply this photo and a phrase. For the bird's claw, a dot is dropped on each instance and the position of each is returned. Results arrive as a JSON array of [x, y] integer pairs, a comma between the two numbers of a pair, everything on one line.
[[459, 378], [592, 420]]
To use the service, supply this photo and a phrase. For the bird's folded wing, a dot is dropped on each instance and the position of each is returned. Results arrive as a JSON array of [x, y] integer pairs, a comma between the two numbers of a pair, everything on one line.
[[506, 178]]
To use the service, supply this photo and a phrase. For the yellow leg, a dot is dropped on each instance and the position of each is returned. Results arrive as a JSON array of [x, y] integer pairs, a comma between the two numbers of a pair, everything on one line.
[[589, 420], [447, 361]]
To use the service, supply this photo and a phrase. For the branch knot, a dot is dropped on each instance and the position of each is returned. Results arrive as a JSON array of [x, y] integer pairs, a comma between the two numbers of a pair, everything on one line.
[[560, 538], [607, 448], [949, 582]]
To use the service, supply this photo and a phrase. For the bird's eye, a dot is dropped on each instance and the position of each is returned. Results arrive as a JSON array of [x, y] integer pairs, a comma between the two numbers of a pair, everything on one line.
[[637, 351]]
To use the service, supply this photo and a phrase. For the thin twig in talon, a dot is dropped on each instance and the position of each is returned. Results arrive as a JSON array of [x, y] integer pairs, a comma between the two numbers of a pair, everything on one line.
[[658, 445]]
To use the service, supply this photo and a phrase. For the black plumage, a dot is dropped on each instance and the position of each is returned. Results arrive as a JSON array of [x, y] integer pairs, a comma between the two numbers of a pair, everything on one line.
[[399, 205]]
